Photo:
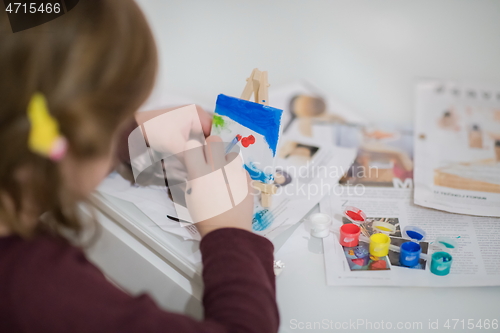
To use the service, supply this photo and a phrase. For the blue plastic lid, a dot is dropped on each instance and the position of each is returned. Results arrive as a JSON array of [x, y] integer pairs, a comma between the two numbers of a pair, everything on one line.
[[414, 233]]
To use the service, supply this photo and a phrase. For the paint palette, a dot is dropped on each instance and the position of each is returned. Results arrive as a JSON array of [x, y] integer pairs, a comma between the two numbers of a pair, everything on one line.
[[256, 128]]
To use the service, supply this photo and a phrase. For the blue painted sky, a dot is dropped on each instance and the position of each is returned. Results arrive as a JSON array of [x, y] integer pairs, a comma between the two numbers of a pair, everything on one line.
[[262, 119]]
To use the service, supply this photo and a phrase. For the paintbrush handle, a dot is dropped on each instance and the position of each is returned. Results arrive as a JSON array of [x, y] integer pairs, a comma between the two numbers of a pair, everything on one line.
[[231, 145]]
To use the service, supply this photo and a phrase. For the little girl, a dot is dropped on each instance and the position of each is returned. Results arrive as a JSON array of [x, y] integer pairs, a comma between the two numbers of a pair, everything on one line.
[[67, 88]]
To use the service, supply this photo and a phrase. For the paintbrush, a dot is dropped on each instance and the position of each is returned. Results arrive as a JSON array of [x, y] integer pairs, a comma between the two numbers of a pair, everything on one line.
[[233, 143]]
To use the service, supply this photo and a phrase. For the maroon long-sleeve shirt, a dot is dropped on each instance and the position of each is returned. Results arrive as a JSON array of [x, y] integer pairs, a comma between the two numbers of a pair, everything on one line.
[[47, 285]]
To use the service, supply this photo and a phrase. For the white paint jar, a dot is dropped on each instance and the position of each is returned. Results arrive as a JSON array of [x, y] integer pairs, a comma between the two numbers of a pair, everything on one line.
[[320, 225]]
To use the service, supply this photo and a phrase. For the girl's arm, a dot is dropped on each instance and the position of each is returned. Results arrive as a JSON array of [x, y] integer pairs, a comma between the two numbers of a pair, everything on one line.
[[55, 289], [239, 281]]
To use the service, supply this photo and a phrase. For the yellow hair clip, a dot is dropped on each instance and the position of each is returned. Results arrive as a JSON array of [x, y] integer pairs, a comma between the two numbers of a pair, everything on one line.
[[44, 138]]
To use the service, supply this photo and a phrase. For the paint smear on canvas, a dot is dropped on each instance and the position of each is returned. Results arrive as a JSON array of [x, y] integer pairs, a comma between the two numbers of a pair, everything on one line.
[[220, 124], [262, 220], [257, 174]]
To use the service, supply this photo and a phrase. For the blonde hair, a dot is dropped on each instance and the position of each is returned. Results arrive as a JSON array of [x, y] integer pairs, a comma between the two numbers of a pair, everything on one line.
[[95, 65]]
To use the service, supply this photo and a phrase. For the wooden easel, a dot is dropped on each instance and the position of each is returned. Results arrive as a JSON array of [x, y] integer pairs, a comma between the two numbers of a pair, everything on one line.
[[258, 85]]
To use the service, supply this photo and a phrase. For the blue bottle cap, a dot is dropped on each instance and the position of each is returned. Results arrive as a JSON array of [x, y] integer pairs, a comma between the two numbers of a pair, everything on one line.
[[414, 233]]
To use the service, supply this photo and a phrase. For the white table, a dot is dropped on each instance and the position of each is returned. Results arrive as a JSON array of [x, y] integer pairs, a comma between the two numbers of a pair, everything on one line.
[[141, 258]]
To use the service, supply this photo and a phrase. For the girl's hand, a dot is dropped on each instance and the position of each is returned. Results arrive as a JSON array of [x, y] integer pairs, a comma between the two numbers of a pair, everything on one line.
[[122, 150], [204, 116], [218, 190]]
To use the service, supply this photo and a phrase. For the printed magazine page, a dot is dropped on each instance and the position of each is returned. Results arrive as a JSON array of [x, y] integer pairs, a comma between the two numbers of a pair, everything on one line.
[[457, 148]]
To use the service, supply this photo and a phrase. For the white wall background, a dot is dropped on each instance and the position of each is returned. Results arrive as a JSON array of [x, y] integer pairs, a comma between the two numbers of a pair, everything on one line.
[[368, 53]]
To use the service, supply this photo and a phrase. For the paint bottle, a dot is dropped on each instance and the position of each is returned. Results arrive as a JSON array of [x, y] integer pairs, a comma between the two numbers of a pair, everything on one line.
[[320, 225], [442, 259], [349, 234], [379, 245], [409, 254], [441, 263]]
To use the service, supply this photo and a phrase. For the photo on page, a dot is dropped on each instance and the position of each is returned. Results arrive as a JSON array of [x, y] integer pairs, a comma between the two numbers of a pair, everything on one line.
[[384, 159], [360, 259], [373, 225], [394, 255]]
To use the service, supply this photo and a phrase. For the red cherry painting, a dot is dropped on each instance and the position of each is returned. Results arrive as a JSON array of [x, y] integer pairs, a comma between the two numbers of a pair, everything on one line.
[[247, 141], [244, 142]]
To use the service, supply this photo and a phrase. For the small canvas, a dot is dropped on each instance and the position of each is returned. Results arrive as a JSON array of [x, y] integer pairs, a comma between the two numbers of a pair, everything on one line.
[[257, 129]]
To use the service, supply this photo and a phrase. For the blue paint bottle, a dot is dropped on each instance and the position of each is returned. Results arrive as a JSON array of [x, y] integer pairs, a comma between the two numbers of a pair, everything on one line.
[[441, 263], [409, 254], [442, 259]]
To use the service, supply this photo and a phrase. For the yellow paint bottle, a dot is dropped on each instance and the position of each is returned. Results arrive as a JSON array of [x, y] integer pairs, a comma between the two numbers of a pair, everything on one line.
[[379, 245]]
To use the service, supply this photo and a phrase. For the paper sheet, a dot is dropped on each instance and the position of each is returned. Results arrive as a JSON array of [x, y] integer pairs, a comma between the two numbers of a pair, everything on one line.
[[457, 148], [151, 200]]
